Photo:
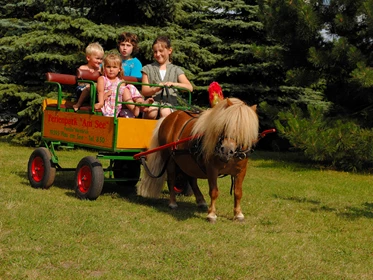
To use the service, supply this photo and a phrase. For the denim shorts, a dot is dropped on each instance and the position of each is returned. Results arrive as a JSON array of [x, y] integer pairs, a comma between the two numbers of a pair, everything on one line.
[[78, 90]]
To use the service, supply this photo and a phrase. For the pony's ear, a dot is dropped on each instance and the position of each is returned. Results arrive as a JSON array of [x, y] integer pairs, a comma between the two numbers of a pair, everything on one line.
[[254, 107], [229, 102]]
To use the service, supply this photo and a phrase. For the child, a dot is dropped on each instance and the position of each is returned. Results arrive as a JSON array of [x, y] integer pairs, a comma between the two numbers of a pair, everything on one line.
[[107, 86], [94, 54], [127, 47], [162, 72]]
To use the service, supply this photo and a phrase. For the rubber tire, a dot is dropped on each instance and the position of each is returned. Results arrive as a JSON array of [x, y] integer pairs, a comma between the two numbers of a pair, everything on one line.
[[127, 169], [41, 171], [89, 178]]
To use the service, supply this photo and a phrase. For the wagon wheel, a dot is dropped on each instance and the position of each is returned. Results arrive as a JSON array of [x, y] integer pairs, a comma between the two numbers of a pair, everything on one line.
[[89, 178], [40, 169], [127, 169]]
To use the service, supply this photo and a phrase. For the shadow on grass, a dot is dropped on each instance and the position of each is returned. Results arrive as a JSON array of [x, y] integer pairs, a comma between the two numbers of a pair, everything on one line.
[[63, 180], [349, 212], [353, 213], [297, 199], [186, 210]]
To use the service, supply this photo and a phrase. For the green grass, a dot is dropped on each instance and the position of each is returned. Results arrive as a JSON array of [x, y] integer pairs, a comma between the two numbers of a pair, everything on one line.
[[301, 223]]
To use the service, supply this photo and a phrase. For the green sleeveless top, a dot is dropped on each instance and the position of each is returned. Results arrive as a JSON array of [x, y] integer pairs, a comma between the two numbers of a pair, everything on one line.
[[154, 77]]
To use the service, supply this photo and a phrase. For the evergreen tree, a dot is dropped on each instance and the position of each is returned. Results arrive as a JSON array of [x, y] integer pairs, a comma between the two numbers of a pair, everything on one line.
[[327, 52], [295, 26], [346, 59], [246, 63], [331, 43], [42, 36]]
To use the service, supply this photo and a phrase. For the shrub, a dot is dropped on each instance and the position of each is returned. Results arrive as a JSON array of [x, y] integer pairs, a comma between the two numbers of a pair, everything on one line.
[[341, 144]]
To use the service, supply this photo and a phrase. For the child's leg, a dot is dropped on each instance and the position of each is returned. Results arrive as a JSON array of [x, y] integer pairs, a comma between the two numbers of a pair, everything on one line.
[[83, 96], [165, 112], [151, 113], [141, 100], [127, 97]]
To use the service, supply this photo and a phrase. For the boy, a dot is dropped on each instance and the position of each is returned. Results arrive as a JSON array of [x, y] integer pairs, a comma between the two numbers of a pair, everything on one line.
[[94, 55]]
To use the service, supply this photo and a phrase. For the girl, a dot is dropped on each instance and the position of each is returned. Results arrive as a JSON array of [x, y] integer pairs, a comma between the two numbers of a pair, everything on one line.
[[127, 47], [107, 86], [162, 72]]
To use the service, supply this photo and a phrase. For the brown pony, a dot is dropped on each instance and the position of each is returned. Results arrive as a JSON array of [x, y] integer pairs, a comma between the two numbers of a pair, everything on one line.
[[223, 137]]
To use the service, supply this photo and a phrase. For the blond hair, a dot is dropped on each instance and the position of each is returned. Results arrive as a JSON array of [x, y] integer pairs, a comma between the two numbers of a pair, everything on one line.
[[113, 58], [93, 48]]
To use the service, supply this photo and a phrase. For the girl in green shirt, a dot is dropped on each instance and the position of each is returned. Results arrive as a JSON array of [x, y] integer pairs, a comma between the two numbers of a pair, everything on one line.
[[162, 72]]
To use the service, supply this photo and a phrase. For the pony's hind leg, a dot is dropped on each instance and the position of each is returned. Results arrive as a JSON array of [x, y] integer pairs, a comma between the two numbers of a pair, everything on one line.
[[171, 179], [200, 200]]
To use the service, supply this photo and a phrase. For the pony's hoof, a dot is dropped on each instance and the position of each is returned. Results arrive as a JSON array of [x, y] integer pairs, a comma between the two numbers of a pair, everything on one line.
[[172, 205], [202, 205], [240, 217], [212, 218]]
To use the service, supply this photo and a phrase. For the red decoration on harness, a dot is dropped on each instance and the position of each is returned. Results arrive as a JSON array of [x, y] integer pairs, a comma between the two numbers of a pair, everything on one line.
[[215, 94]]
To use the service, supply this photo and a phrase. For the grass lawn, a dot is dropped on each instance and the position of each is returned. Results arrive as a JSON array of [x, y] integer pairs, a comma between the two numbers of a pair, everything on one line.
[[301, 222]]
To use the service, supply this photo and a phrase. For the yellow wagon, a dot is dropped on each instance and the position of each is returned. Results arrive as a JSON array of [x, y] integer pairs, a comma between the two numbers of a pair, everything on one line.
[[115, 139]]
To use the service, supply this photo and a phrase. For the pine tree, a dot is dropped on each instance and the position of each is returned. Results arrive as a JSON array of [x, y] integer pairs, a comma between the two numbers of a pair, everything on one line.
[[295, 26]]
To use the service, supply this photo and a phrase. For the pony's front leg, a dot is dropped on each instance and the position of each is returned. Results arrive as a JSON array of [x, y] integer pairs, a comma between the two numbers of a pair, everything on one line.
[[238, 181], [212, 176]]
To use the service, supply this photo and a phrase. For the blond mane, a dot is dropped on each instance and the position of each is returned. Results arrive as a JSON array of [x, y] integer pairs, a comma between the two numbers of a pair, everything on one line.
[[230, 118]]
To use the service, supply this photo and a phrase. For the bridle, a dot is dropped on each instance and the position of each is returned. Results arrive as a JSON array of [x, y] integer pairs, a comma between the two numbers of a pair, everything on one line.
[[239, 153]]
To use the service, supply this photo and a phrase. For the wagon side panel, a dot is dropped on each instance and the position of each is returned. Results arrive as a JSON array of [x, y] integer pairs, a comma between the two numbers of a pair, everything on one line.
[[84, 129], [134, 133]]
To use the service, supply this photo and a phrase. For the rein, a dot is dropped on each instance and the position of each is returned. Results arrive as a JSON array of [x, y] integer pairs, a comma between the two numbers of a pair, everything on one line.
[[143, 162]]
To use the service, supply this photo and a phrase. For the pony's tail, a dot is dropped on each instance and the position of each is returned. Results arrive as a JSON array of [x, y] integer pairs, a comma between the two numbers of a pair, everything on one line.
[[149, 186]]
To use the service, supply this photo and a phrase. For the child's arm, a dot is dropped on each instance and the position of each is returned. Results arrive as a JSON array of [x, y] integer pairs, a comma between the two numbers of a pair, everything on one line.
[[183, 82], [101, 94], [107, 94], [147, 90], [86, 67], [128, 98]]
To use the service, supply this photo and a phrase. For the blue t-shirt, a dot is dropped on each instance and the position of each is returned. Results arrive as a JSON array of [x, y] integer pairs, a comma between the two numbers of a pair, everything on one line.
[[132, 67]]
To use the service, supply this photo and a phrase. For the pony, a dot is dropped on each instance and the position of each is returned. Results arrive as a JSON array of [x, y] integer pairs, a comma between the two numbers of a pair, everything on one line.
[[213, 143]]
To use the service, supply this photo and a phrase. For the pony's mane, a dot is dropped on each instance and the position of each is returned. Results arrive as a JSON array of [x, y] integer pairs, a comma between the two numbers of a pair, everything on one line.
[[230, 118]]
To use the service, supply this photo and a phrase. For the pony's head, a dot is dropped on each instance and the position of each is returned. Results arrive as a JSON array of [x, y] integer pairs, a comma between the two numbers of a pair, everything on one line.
[[229, 127]]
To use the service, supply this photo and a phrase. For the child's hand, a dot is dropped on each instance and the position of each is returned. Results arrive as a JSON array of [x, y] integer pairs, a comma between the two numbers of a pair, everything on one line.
[[149, 101], [168, 84], [107, 94], [98, 106]]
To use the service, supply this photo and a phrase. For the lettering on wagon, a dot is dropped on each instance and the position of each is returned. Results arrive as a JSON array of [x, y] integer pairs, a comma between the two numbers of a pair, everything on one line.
[[74, 122], [65, 121], [90, 130], [95, 124]]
